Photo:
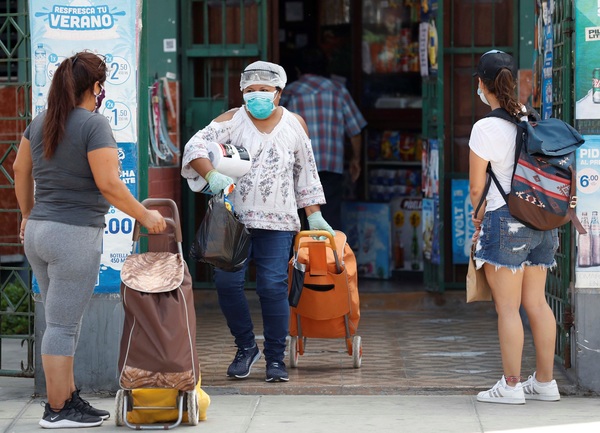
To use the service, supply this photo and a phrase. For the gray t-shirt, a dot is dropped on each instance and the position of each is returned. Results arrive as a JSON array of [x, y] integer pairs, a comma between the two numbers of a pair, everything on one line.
[[65, 190]]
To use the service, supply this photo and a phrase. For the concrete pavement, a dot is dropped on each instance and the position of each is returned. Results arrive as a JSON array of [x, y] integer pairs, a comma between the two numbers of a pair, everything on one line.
[[434, 412], [424, 361]]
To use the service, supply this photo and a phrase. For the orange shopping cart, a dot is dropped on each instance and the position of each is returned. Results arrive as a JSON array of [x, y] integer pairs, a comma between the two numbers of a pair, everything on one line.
[[324, 273]]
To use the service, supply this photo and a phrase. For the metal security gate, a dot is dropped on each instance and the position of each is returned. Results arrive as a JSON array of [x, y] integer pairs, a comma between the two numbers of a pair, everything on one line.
[[219, 38], [558, 286], [16, 304]]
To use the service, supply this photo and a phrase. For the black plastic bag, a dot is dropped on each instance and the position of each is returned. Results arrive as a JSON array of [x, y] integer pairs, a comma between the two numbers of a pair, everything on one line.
[[222, 240], [298, 271]]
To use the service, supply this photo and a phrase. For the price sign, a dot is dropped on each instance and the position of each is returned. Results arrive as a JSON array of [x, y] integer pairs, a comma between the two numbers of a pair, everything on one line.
[[118, 114], [54, 61], [588, 180], [118, 69]]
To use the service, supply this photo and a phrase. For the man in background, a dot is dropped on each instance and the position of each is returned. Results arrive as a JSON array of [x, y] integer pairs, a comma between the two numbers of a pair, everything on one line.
[[331, 115]]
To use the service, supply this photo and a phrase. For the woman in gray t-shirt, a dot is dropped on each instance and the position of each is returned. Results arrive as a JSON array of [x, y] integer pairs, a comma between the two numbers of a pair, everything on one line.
[[69, 153]]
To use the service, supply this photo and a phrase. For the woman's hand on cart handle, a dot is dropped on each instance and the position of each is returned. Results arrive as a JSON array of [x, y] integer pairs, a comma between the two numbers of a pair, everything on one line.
[[317, 222], [153, 221]]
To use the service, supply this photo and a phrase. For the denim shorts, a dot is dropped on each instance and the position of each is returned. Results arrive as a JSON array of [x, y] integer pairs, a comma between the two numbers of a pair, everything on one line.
[[505, 242]]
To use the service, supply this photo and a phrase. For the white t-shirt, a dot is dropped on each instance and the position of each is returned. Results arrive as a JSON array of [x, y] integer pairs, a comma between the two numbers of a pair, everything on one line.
[[493, 140]]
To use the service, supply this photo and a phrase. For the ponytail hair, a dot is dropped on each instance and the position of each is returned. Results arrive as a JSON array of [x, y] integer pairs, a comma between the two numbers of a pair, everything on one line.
[[72, 79], [504, 88]]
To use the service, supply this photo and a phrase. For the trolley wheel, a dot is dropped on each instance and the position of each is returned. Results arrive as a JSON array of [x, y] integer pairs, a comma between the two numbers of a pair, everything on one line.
[[294, 352], [193, 408], [119, 405], [356, 351]]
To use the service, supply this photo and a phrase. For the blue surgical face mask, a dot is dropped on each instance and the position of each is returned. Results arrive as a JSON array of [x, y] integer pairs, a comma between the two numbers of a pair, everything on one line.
[[482, 96], [260, 104]]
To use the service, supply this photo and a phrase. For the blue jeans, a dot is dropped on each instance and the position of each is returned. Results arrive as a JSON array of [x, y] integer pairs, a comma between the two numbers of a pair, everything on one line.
[[270, 250], [505, 242]]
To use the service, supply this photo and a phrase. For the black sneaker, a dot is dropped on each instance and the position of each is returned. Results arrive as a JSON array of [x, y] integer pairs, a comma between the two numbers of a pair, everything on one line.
[[276, 372], [68, 417], [243, 362], [85, 407]]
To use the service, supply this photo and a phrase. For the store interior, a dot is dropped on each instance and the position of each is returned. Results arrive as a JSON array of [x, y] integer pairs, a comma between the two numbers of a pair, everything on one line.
[[373, 49]]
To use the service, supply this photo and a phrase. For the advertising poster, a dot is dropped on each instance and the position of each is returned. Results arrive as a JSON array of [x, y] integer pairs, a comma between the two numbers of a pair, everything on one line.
[[60, 29], [435, 240], [587, 70], [587, 267], [368, 227], [462, 225], [407, 233], [430, 163], [548, 60], [429, 226]]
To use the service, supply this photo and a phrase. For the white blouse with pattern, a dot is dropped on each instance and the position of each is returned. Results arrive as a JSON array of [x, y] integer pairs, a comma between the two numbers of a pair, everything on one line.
[[283, 175]]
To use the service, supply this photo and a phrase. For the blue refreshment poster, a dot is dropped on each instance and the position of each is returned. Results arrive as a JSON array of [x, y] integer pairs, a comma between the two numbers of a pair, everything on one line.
[[587, 267], [59, 30]]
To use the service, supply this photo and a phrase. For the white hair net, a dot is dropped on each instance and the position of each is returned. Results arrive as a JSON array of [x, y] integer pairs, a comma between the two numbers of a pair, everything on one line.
[[265, 73]]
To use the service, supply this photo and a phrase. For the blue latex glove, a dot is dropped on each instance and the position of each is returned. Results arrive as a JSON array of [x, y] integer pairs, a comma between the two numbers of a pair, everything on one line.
[[316, 222], [217, 181]]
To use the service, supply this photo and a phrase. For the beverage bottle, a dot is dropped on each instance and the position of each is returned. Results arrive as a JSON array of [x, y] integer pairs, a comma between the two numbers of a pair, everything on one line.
[[40, 66], [584, 244], [398, 252], [595, 230], [40, 103]]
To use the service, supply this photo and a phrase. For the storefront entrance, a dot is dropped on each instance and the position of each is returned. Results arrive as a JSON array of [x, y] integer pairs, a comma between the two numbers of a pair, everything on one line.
[[373, 47]]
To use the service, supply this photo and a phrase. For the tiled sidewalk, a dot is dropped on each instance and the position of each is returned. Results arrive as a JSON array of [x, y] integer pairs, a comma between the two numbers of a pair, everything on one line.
[[413, 343]]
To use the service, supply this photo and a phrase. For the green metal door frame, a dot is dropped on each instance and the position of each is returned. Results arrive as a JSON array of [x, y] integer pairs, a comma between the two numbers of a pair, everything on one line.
[[433, 128], [208, 57], [143, 131], [16, 312]]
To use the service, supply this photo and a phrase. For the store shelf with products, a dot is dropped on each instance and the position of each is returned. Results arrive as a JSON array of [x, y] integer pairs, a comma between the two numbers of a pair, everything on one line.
[[390, 83], [383, 221], [392, 164]]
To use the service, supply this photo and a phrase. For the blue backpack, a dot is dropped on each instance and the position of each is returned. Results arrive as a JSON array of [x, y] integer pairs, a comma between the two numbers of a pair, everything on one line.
[[542, 194]]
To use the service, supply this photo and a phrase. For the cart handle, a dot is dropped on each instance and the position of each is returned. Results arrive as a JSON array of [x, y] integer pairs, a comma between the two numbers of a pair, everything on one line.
[[173, 222], [316, 234]]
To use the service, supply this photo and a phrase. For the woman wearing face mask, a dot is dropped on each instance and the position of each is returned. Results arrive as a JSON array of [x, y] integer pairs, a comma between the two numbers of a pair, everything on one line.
[[70, 154], [283, 178], [515, 257]]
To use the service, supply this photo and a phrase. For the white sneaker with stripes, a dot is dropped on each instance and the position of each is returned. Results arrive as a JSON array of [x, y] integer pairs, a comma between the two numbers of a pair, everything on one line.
[[545, 391], [502, 393]]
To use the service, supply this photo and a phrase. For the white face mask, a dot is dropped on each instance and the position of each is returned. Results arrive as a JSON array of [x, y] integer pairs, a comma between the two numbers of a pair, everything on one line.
[[482, 96]]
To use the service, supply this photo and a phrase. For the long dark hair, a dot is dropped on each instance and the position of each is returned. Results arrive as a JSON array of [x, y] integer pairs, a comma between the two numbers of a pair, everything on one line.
[[504, 87], [73, 77]]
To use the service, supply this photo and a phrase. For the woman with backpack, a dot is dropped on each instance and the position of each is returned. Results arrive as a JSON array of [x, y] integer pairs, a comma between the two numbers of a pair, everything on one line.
[[515, 258]]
